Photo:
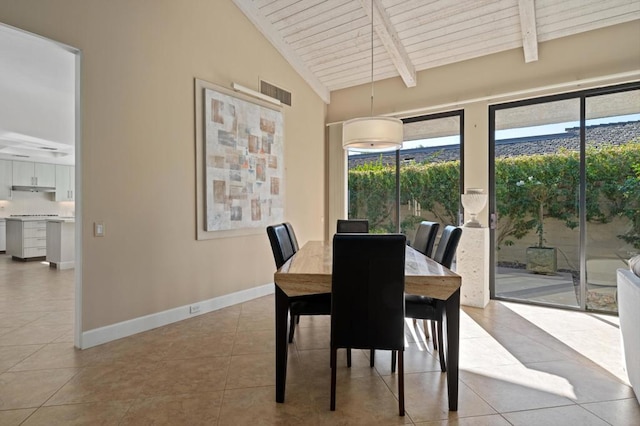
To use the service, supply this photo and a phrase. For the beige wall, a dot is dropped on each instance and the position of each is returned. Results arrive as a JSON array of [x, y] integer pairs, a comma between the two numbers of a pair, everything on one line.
[[595, 58], [139, 61]]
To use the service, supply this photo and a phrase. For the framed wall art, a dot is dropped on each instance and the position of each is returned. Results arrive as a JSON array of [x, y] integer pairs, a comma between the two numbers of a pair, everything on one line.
[[239, 163]]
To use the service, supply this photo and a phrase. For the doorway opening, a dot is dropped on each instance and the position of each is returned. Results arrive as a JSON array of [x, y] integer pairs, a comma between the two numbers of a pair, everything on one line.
[[40, 131]]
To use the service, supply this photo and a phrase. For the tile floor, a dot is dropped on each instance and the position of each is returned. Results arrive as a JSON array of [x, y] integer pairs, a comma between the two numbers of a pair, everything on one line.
[[520, 365]]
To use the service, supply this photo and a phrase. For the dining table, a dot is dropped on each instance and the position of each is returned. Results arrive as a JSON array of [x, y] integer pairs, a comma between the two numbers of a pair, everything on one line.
[[308, 271]]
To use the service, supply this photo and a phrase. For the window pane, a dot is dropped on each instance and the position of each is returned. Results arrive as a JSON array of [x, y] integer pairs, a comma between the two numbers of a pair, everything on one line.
[[372, 189], [429, 178], [537, 175], [613, 192], [430, 173]]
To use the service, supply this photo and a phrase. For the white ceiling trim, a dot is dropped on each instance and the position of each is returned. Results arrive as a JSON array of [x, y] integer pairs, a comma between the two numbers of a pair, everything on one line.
[[391, 42], [527, 10], [266, 28]]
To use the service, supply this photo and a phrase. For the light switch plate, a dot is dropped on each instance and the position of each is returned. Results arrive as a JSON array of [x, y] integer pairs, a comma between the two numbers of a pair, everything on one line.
[[98, 229]]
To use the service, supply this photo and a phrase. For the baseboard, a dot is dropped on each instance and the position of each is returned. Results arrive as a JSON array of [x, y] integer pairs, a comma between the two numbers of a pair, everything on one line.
[[130, 327], [63, 265]]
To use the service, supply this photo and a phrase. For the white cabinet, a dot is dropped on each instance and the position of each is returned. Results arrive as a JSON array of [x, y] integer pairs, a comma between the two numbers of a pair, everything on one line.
[[3, 235], [65, 183], [23, 173], [61, 243], [6, 179], [45, 174], [26, 238], [33, 174]]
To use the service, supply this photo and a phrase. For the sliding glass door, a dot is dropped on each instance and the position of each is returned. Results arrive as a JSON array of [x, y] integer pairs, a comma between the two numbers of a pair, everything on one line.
[[612, 161], [565, 193], [536, 172]]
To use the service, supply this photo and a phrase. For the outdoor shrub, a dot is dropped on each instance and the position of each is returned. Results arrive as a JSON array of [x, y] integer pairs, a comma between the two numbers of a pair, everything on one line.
[[613, 189]]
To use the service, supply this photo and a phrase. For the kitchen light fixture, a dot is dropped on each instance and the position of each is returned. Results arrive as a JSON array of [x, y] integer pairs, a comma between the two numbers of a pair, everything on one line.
[[239, 88], [372, 133]]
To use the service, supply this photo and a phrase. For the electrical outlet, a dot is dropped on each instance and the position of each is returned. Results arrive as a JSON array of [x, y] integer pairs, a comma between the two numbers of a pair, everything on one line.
[[194, 309]]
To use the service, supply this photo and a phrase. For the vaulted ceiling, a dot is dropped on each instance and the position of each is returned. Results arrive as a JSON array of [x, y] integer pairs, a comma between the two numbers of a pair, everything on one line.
[[329, 42]]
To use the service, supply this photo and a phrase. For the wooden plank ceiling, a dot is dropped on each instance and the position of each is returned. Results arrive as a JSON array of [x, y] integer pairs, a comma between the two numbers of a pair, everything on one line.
[[328, 42]]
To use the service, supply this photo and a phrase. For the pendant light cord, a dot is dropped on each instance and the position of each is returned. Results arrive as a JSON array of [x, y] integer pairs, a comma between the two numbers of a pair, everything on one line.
[[372, 58]]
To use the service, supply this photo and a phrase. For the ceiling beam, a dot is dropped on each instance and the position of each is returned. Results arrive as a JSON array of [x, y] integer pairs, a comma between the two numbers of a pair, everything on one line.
[[252, 12], [391, 42], [527, 10]]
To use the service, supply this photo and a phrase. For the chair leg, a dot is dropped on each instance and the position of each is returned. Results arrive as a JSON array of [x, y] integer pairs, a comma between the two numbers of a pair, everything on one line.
[[443, 365], [297, 319], [333, 378], [292, 327], [393, 361], [425, 324], [401, 381], [349, 357], [433, 332], [372, 357]]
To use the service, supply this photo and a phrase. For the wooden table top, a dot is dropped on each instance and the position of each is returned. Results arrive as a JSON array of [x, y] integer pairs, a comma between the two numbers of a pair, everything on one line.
[[309, 272]]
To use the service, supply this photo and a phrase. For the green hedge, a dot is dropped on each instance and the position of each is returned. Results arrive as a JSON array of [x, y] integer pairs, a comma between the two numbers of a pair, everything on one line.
[[523, 183]]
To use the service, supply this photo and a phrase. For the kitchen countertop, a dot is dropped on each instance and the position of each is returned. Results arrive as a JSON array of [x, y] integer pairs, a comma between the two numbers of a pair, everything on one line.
[[41, 218], [61, 219]]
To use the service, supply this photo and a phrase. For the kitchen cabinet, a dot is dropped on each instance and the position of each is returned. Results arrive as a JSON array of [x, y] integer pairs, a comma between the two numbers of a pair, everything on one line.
[[61, 243], [6, 179], [26, 238], [3, 235], [65, 183], [33, 174]]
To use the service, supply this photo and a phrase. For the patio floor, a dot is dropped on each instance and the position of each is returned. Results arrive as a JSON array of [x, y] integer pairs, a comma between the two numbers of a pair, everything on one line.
[[555, 289]]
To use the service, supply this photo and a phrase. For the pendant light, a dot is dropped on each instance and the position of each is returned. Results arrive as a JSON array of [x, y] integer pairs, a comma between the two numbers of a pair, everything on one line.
[[372, 133]]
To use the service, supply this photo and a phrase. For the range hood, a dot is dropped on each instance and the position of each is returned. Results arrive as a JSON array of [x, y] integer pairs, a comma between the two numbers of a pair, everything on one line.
[[33, 188]]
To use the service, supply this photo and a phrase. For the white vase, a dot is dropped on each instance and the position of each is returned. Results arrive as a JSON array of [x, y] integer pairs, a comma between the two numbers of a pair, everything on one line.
[[473, 201]]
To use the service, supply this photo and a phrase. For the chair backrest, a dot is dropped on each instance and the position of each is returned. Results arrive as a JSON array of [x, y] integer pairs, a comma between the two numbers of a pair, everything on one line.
[[425, 237], [352, 226], [367, 293], [280, 243], [292, 237], [447, 245]]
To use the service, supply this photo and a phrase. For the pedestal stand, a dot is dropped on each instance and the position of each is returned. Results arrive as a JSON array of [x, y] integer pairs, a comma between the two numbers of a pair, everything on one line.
[[473, 266]]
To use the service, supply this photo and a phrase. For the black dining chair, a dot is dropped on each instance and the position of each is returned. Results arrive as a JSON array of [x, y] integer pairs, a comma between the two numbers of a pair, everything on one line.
[[282, 244], [427, 308], [292, 237], [423, 242], [425, 237], [352, 226], [367, 309]]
